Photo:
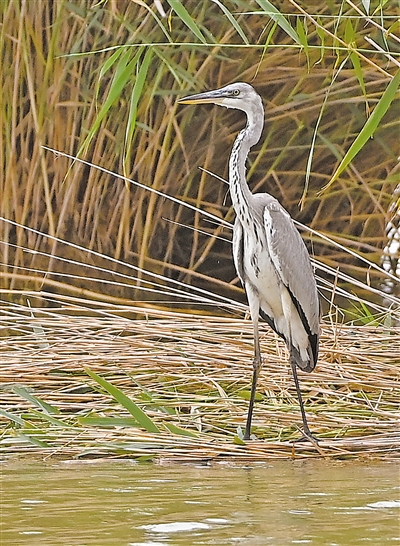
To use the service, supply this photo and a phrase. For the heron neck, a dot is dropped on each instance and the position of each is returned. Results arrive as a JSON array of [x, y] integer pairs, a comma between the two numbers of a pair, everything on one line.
[[248, 137]]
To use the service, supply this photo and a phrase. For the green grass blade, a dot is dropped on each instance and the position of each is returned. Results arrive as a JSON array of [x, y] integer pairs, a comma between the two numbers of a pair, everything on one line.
[[369, 128], [156, 18], [232, 21], [350, 37], [301, 28], [355, 59], [13, 418], [174, 68], [181, 431], [184, 16], [321, 35], [277, 16], [32, 440], [238, 440], [135, 97], [149, 400], [142, 419], [93, 421], [47, 408], [108, 63], [49, 419], [266, 44], [125, 67], [314, 138]]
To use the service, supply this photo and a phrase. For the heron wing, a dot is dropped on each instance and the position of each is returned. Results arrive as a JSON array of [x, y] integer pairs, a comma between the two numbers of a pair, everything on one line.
[[292, 263], [238, 250]]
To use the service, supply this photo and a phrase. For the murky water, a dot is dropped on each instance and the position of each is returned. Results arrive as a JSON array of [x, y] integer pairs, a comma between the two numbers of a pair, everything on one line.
[[130, 504]]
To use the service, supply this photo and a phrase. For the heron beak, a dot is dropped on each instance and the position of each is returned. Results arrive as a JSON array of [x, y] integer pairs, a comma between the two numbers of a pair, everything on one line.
[[213, 97]]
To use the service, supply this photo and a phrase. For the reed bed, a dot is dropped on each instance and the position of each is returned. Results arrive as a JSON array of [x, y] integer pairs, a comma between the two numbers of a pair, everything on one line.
[[190, 375], [123, 328]]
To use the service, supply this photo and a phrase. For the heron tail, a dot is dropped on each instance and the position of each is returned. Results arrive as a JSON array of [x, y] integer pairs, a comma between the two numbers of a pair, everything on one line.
[[306, 364]]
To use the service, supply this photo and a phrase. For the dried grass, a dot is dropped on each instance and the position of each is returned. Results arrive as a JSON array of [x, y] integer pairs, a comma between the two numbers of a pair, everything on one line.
[[193, 372]]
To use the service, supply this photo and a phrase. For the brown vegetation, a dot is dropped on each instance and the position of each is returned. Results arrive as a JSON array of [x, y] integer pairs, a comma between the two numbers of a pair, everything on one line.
[[99, 81], [68, 84], [191, 375]]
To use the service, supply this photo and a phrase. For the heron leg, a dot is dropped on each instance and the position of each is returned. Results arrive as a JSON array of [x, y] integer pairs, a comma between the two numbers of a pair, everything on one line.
[[257, 362], [307, 431]]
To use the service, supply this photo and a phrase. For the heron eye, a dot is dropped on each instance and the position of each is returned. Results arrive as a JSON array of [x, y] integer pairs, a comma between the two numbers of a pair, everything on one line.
[[236, 92]]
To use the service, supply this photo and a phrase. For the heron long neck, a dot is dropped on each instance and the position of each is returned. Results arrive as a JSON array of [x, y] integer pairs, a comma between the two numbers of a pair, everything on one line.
[[250, 135]]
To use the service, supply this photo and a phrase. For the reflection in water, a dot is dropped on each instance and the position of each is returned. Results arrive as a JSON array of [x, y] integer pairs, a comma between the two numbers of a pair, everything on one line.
[[130, 504]]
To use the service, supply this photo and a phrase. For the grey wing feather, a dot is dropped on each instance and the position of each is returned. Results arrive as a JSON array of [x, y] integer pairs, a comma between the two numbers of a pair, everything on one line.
[[292, 262], [238, 250]]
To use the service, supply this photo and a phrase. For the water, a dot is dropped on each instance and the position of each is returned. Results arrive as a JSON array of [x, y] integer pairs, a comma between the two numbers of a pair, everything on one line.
[[130, 504]]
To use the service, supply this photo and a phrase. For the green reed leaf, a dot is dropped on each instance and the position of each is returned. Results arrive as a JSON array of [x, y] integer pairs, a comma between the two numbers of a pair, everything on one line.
[[369, 128], [277, 16], [142, 419], [184, 16], [24, 393]]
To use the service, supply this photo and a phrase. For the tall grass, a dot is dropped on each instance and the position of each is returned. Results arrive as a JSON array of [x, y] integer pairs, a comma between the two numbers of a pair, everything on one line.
[[100, 82]]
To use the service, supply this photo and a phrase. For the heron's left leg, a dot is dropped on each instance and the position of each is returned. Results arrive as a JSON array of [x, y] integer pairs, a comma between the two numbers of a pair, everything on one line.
[[257, 362]]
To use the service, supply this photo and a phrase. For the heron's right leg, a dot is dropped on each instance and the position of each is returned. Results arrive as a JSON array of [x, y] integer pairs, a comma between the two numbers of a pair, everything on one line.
[[307, 432], [257, 363]]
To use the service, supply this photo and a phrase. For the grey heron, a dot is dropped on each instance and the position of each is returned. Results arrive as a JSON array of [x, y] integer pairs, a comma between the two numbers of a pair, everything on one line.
[[270, 257]]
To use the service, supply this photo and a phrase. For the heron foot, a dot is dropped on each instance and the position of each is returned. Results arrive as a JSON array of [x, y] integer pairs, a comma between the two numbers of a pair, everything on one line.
[[246, 435], [307, 437]]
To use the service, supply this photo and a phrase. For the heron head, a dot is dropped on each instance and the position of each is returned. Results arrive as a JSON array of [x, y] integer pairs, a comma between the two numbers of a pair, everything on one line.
[[241, 96]]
